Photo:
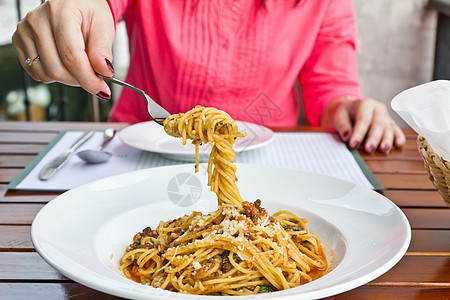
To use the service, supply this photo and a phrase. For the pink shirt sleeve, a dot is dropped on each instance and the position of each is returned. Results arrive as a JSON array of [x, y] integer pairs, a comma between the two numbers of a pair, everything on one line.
[[331, 69], [118, 7]]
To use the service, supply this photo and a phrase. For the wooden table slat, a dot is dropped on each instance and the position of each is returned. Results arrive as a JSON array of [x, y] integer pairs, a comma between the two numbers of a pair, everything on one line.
[[15, 238], [50, 291], [26, 137], [419, 269], [404, 154], [16, 196], [55, 127], [428, 218], [26, 266], [415, 198], [15, 161], [21, 148], [411, 143], [429, 240], [8, 175], [18, 214], [405, 181], [397, 167], [396, 293]]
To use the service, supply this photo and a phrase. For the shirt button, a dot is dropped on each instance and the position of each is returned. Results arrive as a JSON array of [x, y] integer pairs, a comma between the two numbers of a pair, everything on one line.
[[236, 6]]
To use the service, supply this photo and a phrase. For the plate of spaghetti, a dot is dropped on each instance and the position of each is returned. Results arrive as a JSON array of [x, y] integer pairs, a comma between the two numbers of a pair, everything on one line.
[[181, 231], [148, 136]]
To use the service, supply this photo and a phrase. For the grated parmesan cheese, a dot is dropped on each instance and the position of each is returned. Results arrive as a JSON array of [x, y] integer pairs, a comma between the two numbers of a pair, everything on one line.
[[196, 265]]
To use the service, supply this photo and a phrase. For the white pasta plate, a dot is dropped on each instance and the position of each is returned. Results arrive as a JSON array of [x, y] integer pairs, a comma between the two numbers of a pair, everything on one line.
[[84, 232], [150, 136]]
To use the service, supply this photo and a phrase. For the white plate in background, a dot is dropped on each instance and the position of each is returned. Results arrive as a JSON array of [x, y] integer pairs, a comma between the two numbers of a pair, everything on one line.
[[150, 136]]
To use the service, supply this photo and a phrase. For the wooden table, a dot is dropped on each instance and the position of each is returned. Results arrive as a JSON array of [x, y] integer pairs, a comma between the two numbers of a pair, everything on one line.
[[423, 273]]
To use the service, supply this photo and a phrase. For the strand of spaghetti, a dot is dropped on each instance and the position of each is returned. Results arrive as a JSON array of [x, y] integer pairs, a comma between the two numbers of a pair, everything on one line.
[[146, 256], [132, 253], [223, 280], [236, 265]]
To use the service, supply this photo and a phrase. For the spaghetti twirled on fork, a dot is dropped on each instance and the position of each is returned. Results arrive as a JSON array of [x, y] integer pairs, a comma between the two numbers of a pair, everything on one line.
[[214, 127]]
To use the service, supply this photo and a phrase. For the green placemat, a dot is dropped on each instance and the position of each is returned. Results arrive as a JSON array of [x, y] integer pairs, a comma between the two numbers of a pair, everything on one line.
[[13, 184], [366, 170]]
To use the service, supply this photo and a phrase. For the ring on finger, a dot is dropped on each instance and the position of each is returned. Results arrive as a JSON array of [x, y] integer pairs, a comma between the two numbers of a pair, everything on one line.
[[30, 61]]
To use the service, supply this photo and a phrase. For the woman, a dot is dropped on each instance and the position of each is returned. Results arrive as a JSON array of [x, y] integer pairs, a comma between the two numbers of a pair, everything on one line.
[[243, 57]]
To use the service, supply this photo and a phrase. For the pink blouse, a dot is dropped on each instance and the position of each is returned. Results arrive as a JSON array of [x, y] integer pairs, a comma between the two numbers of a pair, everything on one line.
[[239, 57]]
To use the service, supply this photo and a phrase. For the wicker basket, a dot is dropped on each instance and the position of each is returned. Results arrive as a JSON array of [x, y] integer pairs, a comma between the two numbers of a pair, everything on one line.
[[437, 167]]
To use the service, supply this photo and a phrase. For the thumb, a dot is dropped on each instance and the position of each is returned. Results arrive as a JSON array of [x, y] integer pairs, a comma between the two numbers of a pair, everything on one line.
[[100, 41]]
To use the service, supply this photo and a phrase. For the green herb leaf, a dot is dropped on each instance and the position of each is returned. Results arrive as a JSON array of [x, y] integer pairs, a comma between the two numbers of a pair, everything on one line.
[[287, 227], [138, 241], [224, 254], [266, 288]]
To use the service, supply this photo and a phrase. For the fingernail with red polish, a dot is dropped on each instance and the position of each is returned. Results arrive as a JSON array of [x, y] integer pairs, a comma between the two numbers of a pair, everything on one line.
[[345, 135], [109, 64], [354, 144], [103, 96], [371, 148], [387, 148]]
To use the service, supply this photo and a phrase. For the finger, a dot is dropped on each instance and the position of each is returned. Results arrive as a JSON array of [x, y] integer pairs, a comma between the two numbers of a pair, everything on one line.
[[51, 68], [99, 43], [70, 45], [22, 50], [22, 58], [363, 119], [30, 48], [343, 124], [388, 138], [375, 134], [399, 137]]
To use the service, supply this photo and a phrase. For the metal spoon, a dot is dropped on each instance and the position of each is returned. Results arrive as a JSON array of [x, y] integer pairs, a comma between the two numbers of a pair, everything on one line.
[[98, 155]]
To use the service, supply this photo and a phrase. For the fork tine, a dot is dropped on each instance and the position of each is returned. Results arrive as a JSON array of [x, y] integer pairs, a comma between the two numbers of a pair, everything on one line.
[[156, 112]]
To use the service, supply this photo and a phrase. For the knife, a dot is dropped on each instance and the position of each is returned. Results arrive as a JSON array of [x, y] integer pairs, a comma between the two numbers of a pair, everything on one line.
[[57, 163]]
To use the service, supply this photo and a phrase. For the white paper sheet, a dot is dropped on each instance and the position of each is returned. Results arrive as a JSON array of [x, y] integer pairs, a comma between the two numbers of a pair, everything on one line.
[[317, 152], [426, 108]]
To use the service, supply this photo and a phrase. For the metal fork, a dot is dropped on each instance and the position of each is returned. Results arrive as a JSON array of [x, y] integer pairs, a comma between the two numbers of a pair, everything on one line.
[[156, 112]]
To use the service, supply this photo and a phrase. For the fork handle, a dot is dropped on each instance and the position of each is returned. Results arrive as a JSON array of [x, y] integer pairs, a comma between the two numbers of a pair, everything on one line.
[[120, 82]]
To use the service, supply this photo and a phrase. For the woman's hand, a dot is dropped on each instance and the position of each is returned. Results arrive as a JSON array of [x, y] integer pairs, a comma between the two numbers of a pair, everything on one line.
[[73, 40], [363, 120]]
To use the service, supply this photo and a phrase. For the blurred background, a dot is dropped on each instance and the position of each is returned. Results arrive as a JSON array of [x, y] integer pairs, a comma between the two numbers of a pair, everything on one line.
[[399, 44]]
